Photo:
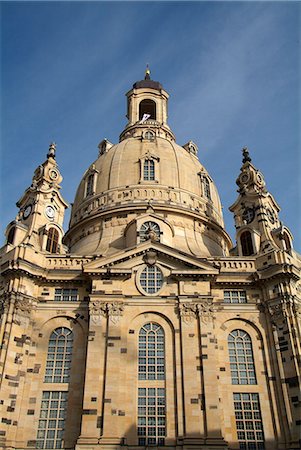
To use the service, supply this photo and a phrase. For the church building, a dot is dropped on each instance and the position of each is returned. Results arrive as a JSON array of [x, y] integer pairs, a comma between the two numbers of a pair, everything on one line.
[[143, 326]]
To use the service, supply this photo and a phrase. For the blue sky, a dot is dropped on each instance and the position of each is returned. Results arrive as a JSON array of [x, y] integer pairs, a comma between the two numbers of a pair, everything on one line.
[[232, 70]]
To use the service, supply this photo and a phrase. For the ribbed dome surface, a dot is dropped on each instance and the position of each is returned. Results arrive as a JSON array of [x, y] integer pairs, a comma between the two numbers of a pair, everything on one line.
[[147, 181], [120, 168]]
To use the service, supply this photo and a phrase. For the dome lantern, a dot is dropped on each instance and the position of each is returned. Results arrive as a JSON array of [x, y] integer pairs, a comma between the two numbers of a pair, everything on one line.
[[147, 109]]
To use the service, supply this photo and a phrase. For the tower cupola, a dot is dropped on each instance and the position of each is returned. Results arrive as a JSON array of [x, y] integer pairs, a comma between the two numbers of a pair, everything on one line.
[[258, 228], [147, 110]]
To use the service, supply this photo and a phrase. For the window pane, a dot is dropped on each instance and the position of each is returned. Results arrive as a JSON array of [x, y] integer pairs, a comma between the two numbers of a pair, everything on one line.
[[59, 356], [240, 353], [248, 408], [50, 431]]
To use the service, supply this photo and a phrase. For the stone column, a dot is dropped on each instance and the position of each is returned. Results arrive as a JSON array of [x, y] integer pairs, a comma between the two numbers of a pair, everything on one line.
[[194, 432], [113, 397], [208, 348], [92, 420]]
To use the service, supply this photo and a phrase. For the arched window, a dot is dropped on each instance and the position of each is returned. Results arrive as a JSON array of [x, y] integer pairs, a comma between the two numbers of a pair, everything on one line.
[[90, 185], [151, 399], [149, 170], [151, 279], [59, 356], [151, 353], [149, 230], [52, 240], [246, 243], [206, 185], [147, 106], [287, 242], [11, 235], [241, 358]]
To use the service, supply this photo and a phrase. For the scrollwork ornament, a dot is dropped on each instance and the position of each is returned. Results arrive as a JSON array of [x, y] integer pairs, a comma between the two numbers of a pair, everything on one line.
[[297, 310], [277, 313], [4, 305], [24, 306], [115, 311], [206, 311], [187, 312], [97, 309]]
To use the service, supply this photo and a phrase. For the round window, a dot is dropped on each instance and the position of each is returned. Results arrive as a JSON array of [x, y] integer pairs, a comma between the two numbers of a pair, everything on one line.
[[149, 230], [151, 279]]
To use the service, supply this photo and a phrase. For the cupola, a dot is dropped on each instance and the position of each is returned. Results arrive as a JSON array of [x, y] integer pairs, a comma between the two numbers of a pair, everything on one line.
[[147, 110]]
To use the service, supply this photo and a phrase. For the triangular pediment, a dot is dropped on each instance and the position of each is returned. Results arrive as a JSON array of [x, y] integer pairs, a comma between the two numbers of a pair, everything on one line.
[[178, 262]]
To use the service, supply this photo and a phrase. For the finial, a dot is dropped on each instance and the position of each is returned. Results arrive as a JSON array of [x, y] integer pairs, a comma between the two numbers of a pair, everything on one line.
[[147, 72], [246, 156], [52, 150]]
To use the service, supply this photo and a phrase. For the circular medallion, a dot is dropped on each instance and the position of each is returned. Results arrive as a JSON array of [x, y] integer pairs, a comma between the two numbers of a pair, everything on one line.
[[27, 211], [53, 174], [49, 210], [248, 215], [244, 177]]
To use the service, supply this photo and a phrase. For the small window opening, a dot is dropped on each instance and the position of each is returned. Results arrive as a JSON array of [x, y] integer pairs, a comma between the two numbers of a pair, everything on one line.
[[246, 243], [52, 241], [149, 170], [147, 106], [90, 185], [207, 191]]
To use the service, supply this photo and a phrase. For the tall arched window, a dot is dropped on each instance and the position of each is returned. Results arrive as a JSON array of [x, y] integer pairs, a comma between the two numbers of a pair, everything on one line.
[[147, 106], [151, 353], [149, 170], [241, 358], [59, 356], [151, 393], [52, 240], [246, 243]]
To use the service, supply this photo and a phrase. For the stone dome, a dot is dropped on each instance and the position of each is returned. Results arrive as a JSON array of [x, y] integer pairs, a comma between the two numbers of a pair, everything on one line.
[[147, 178]]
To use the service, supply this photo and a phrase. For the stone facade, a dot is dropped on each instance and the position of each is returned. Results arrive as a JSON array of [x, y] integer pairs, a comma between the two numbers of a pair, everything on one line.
[[143, 326]]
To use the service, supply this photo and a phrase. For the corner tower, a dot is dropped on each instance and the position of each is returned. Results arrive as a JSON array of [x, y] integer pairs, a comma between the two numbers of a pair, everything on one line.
[[39, 222], [258, 227]]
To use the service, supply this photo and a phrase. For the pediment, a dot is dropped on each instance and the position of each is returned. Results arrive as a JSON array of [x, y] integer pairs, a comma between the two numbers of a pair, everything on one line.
[[179, 263]]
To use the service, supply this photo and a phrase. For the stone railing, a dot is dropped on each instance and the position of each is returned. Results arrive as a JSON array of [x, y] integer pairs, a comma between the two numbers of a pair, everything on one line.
[[59, 262], [234, 265], [141, 194]]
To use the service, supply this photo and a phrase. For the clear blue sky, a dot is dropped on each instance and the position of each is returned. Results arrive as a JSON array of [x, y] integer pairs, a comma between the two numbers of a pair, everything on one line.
[[232, 70]]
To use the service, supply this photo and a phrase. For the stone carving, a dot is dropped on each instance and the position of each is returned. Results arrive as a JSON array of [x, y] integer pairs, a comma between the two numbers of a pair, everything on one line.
[[99, 309], [206, 311], [187, 312], [277, 313], [115, 311], [24, 306], [297, 310]]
